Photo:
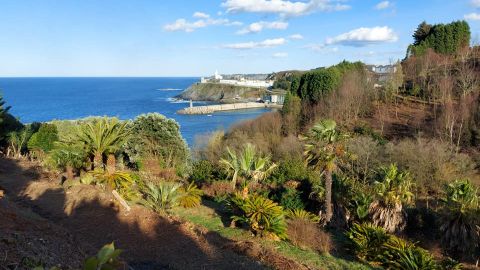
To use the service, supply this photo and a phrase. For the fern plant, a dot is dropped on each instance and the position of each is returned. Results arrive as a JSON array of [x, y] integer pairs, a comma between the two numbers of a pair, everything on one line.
[[263, 216], [190, 196], [161, 197]]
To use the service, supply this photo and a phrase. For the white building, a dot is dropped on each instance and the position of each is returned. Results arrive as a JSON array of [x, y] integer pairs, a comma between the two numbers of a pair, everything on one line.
[[217, 76]]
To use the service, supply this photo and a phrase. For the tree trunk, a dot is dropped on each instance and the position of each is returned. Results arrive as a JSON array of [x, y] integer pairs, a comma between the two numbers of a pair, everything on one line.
[[97, 161], [111, 163], [328, 196], [69, 171]]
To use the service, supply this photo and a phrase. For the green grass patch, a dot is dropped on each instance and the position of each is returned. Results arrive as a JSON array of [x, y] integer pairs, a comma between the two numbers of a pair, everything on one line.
[[207, 217]]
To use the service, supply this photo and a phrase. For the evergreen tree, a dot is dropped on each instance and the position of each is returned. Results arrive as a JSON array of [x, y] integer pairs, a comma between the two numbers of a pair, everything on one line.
[[423, 30]]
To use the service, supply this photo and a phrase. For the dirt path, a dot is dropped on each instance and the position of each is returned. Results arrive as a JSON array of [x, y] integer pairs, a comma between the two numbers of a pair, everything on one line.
[[89, 218]]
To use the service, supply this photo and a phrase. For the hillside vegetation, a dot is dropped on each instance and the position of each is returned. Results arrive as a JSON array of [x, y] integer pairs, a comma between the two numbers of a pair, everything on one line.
[[352, 173]]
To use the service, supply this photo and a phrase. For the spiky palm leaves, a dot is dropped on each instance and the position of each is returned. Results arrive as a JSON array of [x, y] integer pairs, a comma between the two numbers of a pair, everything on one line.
[[17, 141], [393, 190], [247, 164], [103, 136], [191, 196], [461, 218], [323, 151], [262, 215], [162, 197]]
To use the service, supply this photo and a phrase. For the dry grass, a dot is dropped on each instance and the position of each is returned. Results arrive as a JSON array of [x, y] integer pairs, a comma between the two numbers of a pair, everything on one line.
[[307, 235]]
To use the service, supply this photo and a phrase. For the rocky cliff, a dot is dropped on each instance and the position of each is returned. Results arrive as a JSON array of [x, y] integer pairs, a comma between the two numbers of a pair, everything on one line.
[[225, 93]]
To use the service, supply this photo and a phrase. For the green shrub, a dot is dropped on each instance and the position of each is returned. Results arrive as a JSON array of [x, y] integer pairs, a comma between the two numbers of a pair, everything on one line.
[[161, 197], [154, 135], [44, 139], [291, 198], [203, 172], [373, 245], [367, 241], [190, 196], [401, 255], [263, 216]]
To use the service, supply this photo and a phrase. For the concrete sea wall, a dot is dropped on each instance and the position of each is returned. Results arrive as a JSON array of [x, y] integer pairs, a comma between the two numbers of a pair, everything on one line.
[[226, 107]]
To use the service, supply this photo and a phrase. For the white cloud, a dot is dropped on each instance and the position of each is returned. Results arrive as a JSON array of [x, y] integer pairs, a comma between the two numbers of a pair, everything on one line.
[[268, 43], [383, 5], [476, 3], [283, 7], [259, 26], [364, 36], [296, 37], [473, 16], [201, 15], [187, 26], [321, 48], [280, 55]]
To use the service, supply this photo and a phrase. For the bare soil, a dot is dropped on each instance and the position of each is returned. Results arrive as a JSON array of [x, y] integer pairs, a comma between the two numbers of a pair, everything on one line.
[[40, 222]]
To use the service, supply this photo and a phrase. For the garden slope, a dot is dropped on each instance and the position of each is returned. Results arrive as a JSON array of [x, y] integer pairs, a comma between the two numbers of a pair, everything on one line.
[[93, 218]]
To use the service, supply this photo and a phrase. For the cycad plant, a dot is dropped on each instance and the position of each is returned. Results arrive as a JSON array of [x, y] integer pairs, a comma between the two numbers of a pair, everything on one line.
[[323, 152], [248, 164], [393, 191], [103, 136], [162, 197], [263, 216], [191, 196], [68, 158], [460, 222]]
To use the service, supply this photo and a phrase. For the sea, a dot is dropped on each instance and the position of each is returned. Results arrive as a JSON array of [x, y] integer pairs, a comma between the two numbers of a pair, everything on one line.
[[46, 99]]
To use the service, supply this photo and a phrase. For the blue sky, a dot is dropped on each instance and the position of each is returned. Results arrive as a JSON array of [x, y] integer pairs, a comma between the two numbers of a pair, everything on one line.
[[194, 38]]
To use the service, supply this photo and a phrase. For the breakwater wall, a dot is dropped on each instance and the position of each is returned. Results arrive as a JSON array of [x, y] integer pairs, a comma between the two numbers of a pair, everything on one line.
[[209, 109]]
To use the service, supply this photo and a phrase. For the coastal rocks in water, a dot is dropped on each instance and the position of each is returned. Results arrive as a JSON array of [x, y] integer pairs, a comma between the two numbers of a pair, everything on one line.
[[224, 93]]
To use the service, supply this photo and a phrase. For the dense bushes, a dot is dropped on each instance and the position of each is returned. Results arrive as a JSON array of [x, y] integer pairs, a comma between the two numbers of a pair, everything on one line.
[[43, 140], [443, 38], [156, 137], [374, 246]]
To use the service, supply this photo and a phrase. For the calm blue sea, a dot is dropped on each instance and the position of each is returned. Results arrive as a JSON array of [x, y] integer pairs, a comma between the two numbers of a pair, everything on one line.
[[45, 99]]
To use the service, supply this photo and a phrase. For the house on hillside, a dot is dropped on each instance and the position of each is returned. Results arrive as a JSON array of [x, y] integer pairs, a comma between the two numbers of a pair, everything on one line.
[[382, 73]]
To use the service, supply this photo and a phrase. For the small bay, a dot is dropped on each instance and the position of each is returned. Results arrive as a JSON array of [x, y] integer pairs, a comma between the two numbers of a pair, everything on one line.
[[46, 99]]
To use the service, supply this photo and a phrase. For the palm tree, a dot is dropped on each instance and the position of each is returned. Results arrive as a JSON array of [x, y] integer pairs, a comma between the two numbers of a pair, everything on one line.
[[323, 151], [393, 190], [461, 218], [103, 136], [248, 164]]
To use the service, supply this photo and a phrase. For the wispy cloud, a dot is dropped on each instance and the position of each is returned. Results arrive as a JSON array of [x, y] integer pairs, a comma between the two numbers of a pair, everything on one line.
[[201, 15], [473, 16], [321, 48], [257, 27], [295, 37], [203, 20], [268, 43], [383, 5], [364, 36], [475, 3], [280, 55], [283, 7]]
